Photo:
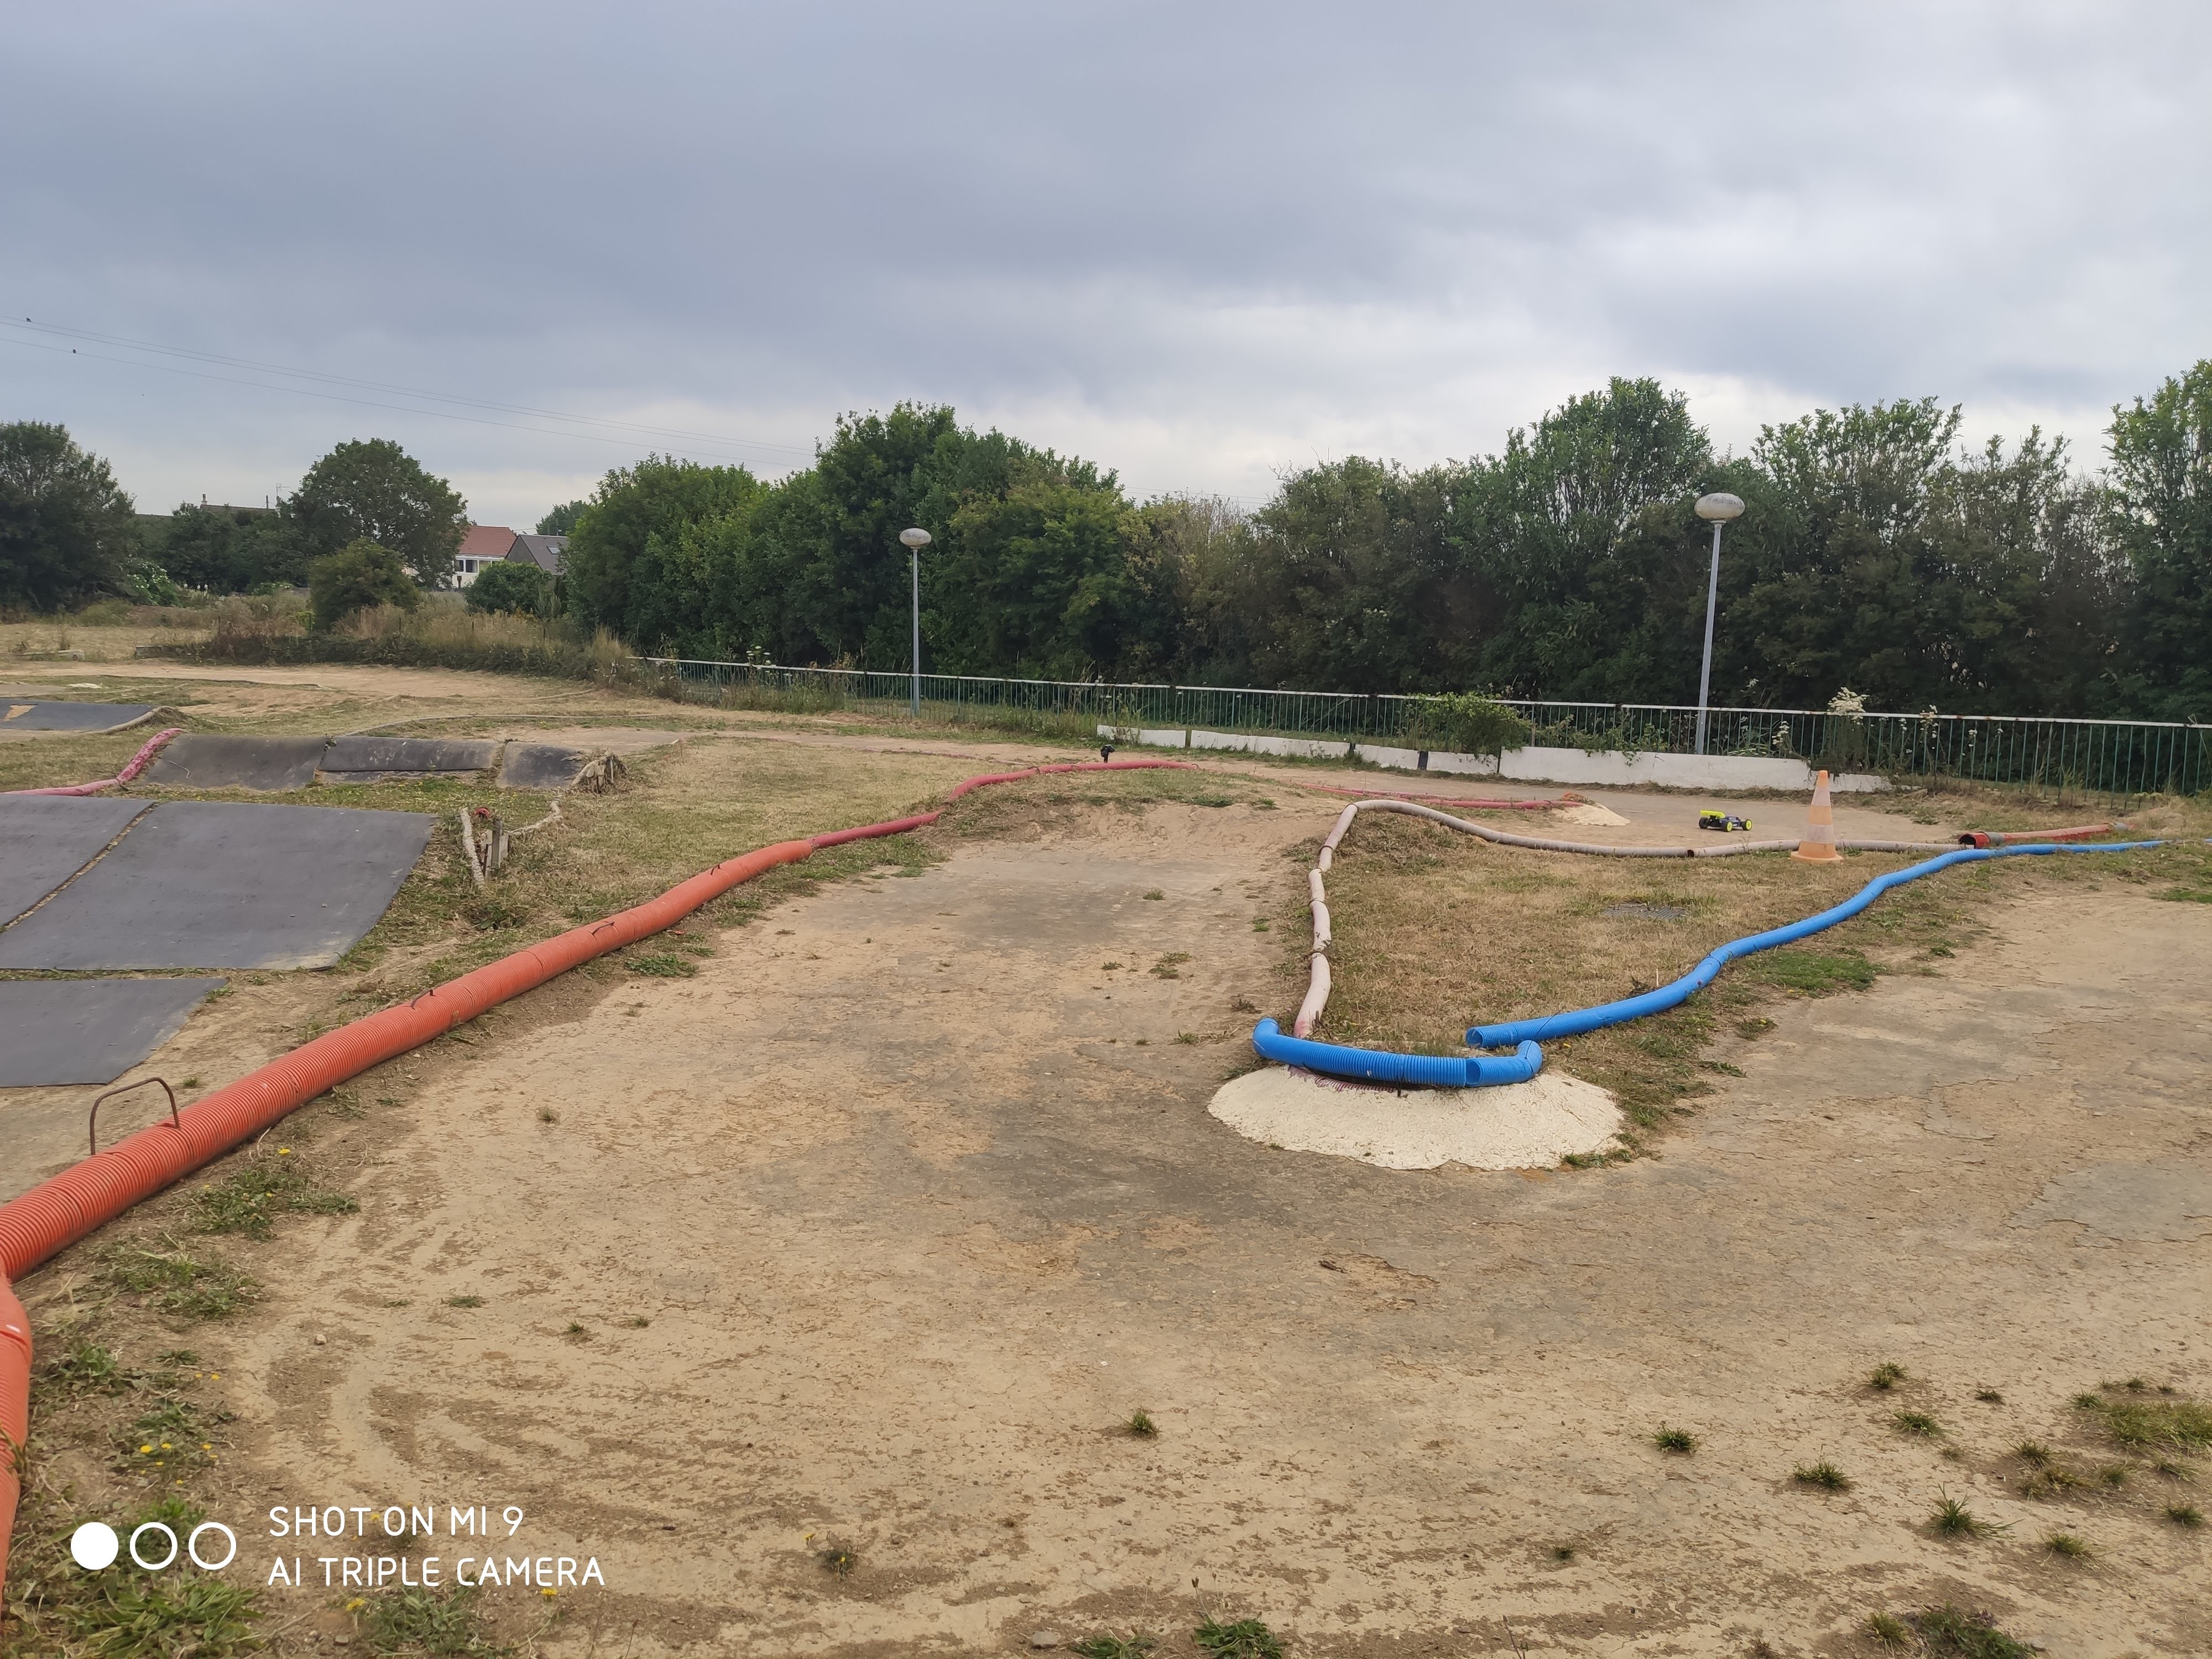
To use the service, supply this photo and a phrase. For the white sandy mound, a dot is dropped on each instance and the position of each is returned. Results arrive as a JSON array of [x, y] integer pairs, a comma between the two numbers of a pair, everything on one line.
[[1589, 811], [1513, 1126]]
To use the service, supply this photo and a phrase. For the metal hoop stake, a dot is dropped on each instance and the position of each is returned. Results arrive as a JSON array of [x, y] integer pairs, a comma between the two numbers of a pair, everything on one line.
[[92, 1124]]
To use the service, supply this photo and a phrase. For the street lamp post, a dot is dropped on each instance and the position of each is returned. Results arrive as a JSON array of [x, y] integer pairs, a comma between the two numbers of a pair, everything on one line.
[[915, 540], [1719, 508]]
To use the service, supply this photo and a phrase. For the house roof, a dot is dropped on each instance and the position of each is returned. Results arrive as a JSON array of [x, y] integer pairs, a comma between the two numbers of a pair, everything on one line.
[[486, 541], [544, 552]]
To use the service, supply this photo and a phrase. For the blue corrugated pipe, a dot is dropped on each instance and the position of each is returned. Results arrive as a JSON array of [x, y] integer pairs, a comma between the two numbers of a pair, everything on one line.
[[1574, 1023], [1376, 1066], [1523, 1036]]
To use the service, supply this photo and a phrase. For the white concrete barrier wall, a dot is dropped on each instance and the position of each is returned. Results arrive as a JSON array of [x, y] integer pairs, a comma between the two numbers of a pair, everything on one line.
[[1532, 765]]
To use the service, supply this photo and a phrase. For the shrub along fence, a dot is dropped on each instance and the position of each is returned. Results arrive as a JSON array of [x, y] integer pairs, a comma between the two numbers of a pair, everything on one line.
[[2115, 759]]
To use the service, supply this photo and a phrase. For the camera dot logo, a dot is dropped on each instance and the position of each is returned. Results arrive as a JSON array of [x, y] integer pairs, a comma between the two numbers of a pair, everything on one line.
[[94, 1545]]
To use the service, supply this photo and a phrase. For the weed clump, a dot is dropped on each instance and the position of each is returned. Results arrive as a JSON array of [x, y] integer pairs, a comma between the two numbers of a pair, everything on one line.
[[2184, 1515], [2068, 1545], [1141, 1425], [1889, 1631], [434, 1621], [1886, 1376], [174, 1282], [1953, 1519], [1955, 1633], [1247, 1639], [1132, 1646], [2176, 1424], [250, 1199], [1823, 1474], [1679, 1441], [1918, 1423]]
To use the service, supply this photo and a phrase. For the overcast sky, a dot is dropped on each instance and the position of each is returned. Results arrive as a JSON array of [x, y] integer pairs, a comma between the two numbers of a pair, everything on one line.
[[1201, 243]]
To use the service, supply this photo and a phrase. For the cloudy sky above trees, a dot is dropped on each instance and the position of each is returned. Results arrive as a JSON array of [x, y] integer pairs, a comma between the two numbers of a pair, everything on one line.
[[1201, 243]]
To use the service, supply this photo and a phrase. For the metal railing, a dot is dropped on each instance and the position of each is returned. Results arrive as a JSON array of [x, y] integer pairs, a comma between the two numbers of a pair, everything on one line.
[[2109, 759]]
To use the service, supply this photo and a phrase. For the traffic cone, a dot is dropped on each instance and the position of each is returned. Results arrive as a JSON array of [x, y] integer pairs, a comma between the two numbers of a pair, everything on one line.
[[1819, 845]]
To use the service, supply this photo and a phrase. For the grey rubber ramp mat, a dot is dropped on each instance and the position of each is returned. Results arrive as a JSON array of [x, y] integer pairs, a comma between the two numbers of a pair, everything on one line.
[[362, 758], [203, 761], [225, 884], [46, 839], [23, 715], [61, 1032], [540, 766]]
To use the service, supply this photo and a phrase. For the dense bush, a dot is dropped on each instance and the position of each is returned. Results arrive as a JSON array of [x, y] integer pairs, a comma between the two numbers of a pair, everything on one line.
[[510, 585], [356, 577]]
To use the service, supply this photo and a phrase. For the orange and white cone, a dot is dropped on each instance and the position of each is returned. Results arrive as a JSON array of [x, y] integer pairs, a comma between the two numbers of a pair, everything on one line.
[[1819, 845]]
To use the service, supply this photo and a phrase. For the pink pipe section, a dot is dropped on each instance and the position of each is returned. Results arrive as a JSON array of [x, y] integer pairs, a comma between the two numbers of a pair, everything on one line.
[[138, 763]]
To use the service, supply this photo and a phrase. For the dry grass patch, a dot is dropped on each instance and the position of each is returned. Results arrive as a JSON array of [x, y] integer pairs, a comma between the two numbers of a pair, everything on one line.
[[1436, 932]]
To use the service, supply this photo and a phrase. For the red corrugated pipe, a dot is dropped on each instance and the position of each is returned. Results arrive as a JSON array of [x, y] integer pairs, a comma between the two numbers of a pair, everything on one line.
[[138, 762], [60, 1211], [2001, 837]]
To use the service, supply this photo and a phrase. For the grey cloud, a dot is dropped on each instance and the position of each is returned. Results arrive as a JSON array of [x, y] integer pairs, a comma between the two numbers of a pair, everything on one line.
[[1208, 241]]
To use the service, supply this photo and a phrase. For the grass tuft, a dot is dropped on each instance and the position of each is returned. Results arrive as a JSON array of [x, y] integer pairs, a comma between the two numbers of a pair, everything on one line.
[[1247, 1639], [251, 1197], [2177, 1423], [1670, 1439], [1918, 1423], [174, 1282], [1953, 1519], [1955, 1633], [1823, 1474], [2184, 1515], [2068, 1545], [1886, 1376], [1141, 1425], [429, 1621], [838, 1561], [1889, 1631], [1102, 1646], [464, 1302]]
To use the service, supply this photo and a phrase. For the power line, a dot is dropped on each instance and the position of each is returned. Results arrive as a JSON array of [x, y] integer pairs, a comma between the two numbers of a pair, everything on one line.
[[339, 380]]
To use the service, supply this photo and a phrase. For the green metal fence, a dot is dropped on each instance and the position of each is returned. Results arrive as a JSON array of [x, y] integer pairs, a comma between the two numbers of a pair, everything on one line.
[[2110, 759]]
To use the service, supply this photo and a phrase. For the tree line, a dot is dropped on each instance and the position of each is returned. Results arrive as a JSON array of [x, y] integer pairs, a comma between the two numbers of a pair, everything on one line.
[[1876, 553]]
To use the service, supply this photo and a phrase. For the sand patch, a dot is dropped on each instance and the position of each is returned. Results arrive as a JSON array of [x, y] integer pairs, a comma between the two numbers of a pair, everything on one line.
[[1515, 1126]]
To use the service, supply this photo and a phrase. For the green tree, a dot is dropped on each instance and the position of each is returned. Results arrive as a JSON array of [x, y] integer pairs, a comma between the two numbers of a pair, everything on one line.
[[232, 549], [2161, 476], [357, 576], [68, 532], [1576, 533], [622, 568], [374, 490], [1354, 580], [512, 585], [562, 520]]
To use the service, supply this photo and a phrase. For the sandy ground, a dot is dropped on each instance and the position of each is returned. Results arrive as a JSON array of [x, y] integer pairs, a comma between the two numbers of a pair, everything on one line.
[[920, 1200]]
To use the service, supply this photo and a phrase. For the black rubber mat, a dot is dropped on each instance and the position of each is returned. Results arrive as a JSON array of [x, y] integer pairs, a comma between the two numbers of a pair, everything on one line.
[[539, 766], [62, 1031], [46, 839], [357, 759], [202, 761], [24, 715], [225, 884]]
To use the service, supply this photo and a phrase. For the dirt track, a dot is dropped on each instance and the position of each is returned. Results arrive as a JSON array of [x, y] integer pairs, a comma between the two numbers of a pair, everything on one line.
[[916, 1222]]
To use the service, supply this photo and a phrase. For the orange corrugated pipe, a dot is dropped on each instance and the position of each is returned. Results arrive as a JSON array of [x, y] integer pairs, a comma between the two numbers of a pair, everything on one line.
[[57, 1212]]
